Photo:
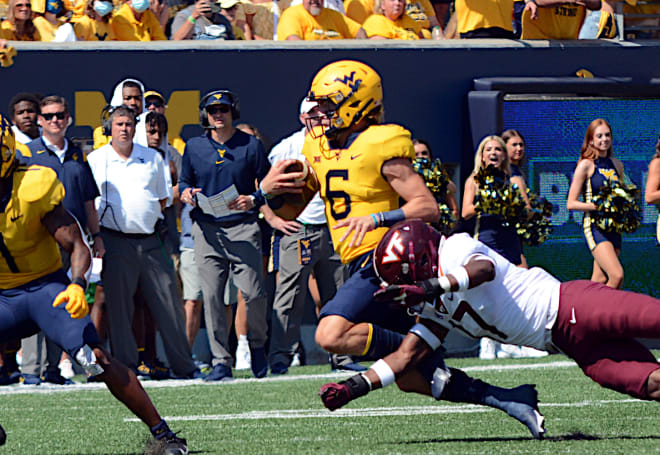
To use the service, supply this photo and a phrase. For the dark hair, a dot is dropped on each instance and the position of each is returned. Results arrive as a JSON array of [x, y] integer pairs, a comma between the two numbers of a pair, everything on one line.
[[588, 151], [156, 119], [657, 148], [424, 143], [131, 84], [508, 134], [29, 97], [54, 99], [257, 133]]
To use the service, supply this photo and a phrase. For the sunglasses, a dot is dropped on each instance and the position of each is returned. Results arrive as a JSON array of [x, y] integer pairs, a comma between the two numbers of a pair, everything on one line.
[[58, 115], [23, 5], [154, 104], [223, 108]]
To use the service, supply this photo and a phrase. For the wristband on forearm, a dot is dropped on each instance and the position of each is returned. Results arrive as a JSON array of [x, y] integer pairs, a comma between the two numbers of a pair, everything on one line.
[[358, 385], [80, 282], [388, 219], [259, 198]]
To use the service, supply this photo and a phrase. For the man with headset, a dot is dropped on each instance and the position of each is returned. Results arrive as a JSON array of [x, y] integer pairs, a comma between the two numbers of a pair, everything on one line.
[[133, 182], [221, 158]]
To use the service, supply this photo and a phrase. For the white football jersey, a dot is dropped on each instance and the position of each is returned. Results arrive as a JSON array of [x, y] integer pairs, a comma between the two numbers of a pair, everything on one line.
[[516, 307]]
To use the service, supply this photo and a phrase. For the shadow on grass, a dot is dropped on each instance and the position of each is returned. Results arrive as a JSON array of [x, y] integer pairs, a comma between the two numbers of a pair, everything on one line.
[[573, 436]]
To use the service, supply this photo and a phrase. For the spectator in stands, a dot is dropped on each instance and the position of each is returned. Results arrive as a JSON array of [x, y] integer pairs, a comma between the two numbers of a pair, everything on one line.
[[203, 21], [312, 21], [230, 10], [392, 22], [19, 25], [419, 10], [23, 109], [134, 21], [225, 243], [134, 189], [260, 17], [96, 23], [53, 23], [305, 248], [484, 18], [554, 19], [161, 11], [154, 102], [54, 150]]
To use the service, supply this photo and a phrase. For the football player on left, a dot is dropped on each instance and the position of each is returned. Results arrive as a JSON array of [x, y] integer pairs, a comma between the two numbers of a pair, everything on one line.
[[35, 293]]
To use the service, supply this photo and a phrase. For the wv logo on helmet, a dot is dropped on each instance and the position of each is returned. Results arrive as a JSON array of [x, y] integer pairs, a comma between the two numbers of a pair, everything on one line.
[[350, 81]]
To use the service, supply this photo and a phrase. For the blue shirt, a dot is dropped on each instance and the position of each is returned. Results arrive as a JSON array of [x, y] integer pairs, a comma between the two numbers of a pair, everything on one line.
[[214, 167], [73, 172]]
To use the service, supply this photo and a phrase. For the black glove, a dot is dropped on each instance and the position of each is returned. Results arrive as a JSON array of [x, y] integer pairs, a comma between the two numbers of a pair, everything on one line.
[[410, 295]]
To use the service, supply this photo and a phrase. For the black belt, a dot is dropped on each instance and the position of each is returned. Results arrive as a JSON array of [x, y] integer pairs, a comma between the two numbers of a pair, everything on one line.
[[128, 235], [317, 226]]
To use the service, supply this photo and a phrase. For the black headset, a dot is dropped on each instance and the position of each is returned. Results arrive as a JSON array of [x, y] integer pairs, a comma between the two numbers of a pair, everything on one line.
[[235, 106], [106, 114]]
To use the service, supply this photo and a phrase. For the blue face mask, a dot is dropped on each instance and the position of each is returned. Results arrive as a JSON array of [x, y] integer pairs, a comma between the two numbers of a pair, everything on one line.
[[102, 8], [54, 6], [140, 5]]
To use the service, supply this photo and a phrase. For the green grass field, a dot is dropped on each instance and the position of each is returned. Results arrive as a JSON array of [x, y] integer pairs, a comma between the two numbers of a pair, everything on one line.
[[284, 415]]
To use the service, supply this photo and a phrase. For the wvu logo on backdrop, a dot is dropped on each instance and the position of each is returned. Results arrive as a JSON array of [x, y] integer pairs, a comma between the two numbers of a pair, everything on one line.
[[350, 81]]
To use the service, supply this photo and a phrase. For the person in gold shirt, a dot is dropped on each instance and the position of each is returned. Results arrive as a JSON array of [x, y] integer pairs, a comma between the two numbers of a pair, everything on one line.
[[364, 169], [135, 22], [19, 25], [554, 19], [484, 18], [392, 22], [96, 23], [36, 294], [53, 23], [311, 21]]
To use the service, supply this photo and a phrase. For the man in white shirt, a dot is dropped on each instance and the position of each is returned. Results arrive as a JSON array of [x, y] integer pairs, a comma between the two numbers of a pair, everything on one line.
[[134, 189], [468, 286], [305, 247]]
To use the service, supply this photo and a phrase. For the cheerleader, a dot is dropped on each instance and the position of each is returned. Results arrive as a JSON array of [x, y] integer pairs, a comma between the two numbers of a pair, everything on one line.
[[595, 167], [490, 229], [652, 194]]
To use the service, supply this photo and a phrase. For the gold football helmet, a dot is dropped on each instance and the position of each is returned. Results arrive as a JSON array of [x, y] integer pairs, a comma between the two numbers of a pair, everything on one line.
[[354, 89], [7, 147]]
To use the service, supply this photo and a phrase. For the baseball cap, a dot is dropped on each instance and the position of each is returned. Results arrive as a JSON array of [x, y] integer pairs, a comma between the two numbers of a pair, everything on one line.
[[226, 4], [149, 93], [217, 98], [306, 106]]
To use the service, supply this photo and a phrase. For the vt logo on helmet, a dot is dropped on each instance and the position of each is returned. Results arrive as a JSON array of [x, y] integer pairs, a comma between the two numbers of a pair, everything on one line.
[[346, 91], [7, 147], [407, 253]]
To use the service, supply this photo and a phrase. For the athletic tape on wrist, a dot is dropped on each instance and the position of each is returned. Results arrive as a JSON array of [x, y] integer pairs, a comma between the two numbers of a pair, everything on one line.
[[384, 373], [425, 334], [462, 277], [444, 283], [364, 376]]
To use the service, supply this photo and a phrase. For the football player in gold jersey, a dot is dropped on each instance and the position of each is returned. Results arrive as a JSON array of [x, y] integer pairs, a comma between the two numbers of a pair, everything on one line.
[[35, 293]]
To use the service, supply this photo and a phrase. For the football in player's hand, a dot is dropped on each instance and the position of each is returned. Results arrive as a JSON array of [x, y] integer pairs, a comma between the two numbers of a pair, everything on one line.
[[311, 184]]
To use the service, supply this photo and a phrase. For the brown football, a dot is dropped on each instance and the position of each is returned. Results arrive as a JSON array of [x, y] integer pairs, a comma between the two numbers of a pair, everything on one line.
[[294, 203]]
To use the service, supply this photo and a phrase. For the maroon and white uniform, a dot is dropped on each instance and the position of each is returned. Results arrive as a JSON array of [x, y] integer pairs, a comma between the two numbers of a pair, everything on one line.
[[593, 324]]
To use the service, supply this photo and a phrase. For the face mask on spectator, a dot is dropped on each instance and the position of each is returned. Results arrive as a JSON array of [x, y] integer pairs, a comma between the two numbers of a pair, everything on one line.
[[140, 5], [102, 8], [54, 6]]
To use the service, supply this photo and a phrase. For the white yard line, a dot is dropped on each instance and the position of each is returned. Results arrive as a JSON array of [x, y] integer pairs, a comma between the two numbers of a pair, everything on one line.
[[371, 412], [52, 388]]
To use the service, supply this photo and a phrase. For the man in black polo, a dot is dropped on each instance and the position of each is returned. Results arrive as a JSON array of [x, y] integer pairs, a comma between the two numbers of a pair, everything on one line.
[[222, 158]]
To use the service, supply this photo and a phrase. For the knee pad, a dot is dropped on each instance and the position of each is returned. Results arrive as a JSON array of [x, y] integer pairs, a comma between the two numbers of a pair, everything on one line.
[[87, 360]]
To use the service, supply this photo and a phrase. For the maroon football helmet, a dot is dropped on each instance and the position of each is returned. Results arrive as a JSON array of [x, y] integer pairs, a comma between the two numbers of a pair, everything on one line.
[[407, 253]]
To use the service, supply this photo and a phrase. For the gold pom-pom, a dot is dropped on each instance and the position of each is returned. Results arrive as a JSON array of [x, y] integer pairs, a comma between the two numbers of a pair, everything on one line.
[[536, 228], [617, 207], [496, 196], [436, 178]]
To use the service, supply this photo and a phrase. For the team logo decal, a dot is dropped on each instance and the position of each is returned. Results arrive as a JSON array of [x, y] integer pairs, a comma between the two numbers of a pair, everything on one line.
[[394, 249], [350, 81]]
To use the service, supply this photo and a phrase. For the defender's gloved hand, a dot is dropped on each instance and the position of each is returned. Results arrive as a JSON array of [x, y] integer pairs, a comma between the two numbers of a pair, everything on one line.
[[335, 395], [77, 305]]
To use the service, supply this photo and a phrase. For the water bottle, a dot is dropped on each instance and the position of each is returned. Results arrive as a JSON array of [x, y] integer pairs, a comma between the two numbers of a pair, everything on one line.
[[436, 33]]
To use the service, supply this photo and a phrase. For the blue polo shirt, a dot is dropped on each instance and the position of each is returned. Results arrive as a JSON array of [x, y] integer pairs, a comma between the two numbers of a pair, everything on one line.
[[74, 173], [214, 167]]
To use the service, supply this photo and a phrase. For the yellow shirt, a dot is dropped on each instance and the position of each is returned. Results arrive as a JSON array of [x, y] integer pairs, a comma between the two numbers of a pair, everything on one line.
[[328, 25], [476, 14], [128, 28], [88, 29], [32, 250], [403, 28], [176, 142], [46, 29], [359, 10], [7, 31], [100, 139], [77, 7], [352, 183], [555, 22], [420, 11]]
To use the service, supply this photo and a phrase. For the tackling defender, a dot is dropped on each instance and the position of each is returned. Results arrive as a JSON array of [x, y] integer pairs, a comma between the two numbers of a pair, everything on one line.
[[35, 293], [477, 291], [364, 169]]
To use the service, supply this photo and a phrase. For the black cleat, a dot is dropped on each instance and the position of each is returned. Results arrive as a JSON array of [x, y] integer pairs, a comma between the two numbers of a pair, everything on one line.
[[524, 407], [3, 436]]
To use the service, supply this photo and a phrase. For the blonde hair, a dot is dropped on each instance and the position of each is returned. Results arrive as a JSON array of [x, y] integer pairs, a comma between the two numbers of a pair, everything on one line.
[[479, 157], [28, 29]]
